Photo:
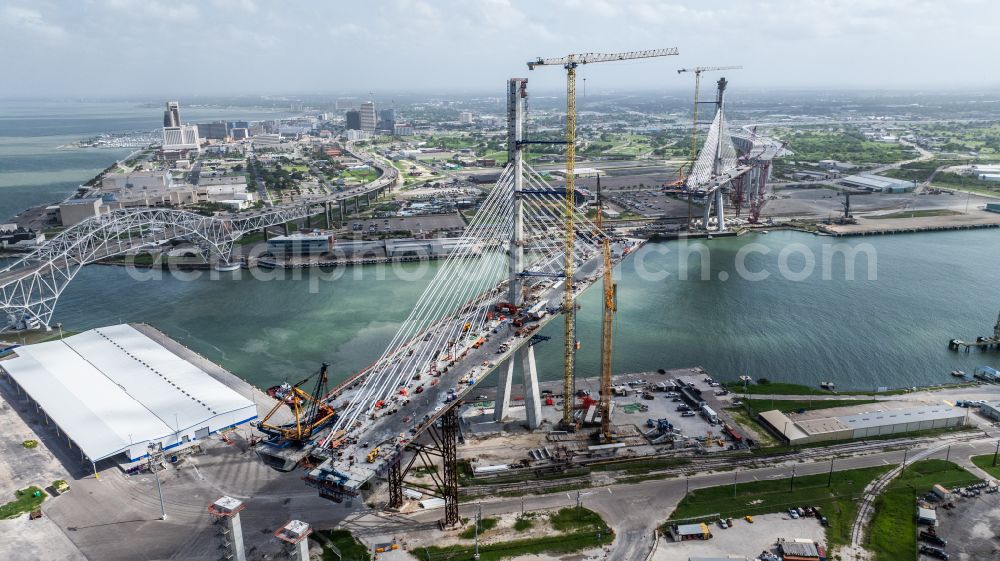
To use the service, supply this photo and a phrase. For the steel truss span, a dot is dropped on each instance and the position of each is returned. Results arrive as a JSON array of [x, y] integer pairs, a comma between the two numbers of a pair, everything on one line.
[[31, 286]]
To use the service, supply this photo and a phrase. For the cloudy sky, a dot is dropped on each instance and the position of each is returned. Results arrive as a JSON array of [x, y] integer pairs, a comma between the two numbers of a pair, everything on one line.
[[186, 47]]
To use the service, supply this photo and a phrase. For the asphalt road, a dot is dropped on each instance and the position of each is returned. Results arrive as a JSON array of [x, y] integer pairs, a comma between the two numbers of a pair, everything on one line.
[[635, 510]]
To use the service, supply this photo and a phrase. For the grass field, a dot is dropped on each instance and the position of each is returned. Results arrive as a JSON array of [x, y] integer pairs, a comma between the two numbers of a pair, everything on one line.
[[838, 501], [578, 529], [523, 524], [775, 388], [484, 525], [794, 405], [25, 500], [813, 146], [921, 213], [985, 463], [892, 535], [349, 547]]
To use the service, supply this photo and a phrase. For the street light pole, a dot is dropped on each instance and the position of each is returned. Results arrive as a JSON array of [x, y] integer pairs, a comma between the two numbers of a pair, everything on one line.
[[156, 475], [479, 517]]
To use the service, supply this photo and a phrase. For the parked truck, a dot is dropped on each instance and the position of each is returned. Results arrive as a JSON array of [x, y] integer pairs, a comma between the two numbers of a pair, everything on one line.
[[709, 414]]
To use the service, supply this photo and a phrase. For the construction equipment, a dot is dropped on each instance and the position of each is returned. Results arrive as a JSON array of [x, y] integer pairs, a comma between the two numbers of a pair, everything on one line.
[[694, 127], [310, 411], [607, 325], [570, 63]]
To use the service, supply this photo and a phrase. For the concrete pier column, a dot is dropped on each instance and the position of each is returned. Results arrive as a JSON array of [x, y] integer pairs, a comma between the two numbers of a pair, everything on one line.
[[720, 211], [708, 212], [368, 198], [285, 226], [264, 230], [356, 209], [326, 214], [226, 512], [501, 408], [342, 210], [532, 400]]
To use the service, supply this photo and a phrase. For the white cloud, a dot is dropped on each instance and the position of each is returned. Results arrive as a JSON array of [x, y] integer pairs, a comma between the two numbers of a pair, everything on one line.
[[346, 29], [154, 11], [30, 21], [246, 6]]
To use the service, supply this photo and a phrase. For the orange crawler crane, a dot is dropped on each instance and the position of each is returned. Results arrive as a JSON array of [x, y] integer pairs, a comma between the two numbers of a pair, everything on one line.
[[310, 412]]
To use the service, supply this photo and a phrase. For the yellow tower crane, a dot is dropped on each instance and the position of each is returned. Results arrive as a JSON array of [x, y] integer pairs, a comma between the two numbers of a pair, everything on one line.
[[694, 126], [570, 63], [607, 325]]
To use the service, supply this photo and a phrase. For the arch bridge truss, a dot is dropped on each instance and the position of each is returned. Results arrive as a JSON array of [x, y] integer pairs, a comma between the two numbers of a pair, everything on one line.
[[30, 287]]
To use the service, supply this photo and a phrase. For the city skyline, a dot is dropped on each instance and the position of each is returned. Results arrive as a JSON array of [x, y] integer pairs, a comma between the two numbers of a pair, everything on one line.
[[414, 45]]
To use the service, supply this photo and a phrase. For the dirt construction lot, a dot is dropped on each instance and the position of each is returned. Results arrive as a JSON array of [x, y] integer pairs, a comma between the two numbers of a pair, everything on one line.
[[743, 538]]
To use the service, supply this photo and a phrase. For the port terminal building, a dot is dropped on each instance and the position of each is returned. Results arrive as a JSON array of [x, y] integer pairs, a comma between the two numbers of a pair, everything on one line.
[[850, 423], [114, 392]]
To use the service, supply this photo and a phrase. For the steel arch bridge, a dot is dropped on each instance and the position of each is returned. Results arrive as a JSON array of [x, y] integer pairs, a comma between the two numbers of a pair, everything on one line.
[[31, 286]]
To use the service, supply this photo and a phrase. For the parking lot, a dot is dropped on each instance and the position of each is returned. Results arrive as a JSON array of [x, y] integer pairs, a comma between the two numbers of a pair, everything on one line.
[[652, 203], [416, 225], [743, 538], [970, 528]]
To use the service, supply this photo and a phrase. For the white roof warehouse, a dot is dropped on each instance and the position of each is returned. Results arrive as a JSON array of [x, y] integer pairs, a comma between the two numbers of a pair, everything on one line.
[[114, 390]]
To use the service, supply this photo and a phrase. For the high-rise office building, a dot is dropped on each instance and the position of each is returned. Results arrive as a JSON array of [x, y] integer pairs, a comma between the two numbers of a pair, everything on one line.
[[172, 116], [353, 120], [465, 117], [386, 119], [184, 137], [213, 131], [368, 119]]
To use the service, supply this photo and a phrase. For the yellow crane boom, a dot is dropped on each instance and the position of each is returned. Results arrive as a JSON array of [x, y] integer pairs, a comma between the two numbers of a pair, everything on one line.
[[570, 63]]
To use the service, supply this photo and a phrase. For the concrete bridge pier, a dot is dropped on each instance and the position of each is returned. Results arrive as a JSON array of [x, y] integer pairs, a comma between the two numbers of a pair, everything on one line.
[[532, 398], [501, 407]]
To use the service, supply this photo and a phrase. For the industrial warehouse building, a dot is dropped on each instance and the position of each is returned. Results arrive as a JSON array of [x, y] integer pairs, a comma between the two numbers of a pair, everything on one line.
[[990, 410], [114, 391], [877, 183], [803, 429]]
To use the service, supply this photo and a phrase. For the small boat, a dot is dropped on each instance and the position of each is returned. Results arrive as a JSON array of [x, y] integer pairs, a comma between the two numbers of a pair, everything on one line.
[[958, 373], [223, 267], [763, 232], [827, 385]]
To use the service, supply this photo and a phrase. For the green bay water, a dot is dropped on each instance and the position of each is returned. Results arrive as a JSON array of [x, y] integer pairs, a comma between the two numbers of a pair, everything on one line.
[[889, 331]]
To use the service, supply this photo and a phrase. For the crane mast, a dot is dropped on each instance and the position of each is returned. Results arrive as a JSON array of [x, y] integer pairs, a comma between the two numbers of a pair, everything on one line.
[[570, 63], [607, 325]]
